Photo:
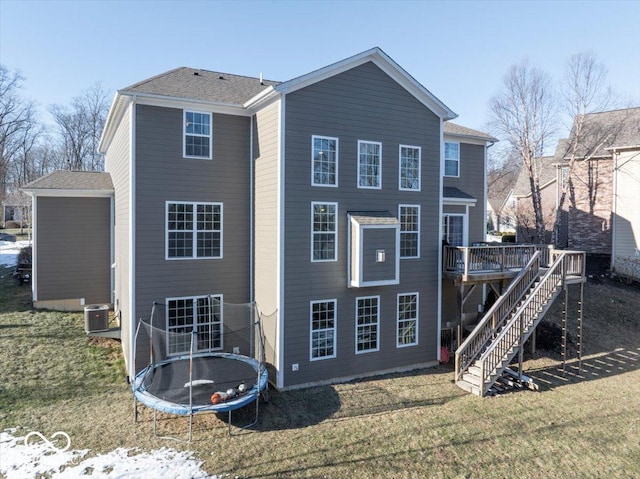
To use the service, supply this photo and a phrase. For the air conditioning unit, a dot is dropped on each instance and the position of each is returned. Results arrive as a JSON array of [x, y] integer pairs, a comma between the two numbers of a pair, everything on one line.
[[96, 318]]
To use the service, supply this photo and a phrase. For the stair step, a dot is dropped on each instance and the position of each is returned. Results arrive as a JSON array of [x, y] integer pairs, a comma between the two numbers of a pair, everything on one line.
[[472, 379], [475, 370], [470, 388]]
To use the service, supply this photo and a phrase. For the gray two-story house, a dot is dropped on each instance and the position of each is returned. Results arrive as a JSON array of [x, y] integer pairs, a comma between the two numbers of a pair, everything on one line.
[[324, 199]]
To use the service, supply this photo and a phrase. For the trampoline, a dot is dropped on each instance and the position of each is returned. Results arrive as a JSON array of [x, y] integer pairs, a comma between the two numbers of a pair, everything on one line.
[[201, 382]]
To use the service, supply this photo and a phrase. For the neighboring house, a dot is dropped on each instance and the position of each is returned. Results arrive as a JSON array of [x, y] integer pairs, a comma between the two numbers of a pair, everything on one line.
[[325, 199], [524, 215], [501, 203], [15, 210], [599, 214]]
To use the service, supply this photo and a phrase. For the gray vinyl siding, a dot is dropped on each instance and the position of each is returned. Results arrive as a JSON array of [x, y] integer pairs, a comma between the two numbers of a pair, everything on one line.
[[374, 239], [74, 249], [265, 151], [360, 104], [471, 181], [162, 174], [472, 171], [118, 163]]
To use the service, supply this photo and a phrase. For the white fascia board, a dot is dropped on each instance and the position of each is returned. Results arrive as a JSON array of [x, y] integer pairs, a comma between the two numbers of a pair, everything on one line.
[[187, 103], [119, 106], [70, 193], [258, 101], [469, 139], [386, 64], [459, 201], [614, 149]]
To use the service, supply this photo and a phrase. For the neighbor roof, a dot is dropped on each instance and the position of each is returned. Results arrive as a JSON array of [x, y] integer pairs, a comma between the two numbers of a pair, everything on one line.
[[608, 129], [71, 181]]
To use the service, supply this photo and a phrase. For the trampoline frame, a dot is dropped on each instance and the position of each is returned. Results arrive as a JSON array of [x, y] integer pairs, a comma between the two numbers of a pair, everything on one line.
[[140, 394]]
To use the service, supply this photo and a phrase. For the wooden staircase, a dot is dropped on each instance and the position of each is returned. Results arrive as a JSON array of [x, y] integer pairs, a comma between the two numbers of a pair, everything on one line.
[[483, 358]]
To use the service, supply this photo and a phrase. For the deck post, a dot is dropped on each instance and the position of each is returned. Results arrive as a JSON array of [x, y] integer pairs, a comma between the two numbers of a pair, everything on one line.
[[565, 301], [580, 303]]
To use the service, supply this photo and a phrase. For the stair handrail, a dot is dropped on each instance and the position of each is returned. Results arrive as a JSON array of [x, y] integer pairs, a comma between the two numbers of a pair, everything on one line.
[[497, 315], [512, 333]]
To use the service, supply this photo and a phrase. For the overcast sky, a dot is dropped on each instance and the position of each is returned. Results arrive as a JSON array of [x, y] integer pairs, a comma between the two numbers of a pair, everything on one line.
[[458, 50]]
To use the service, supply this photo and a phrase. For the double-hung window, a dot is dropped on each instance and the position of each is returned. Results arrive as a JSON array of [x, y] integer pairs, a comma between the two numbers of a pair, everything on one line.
[[367, 324], [324, 158], [409, 159], [407, 320], [324, 231], [202, 314], [451, 159], [323, 329], [197, 135], [409, 231], [194, 230], [369, 164]]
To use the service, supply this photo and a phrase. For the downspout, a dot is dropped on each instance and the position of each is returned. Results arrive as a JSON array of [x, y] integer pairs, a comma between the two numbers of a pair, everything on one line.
[[616, 155], [251, 214], [132, 238], [439, 243]]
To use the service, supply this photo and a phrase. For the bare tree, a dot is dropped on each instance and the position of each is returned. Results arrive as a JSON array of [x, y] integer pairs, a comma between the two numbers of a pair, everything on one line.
[[80, 126], [585, 91], [17, 125], [524, 113]]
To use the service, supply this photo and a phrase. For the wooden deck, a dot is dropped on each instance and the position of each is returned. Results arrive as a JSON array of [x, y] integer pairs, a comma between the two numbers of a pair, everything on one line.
[[489, 264]]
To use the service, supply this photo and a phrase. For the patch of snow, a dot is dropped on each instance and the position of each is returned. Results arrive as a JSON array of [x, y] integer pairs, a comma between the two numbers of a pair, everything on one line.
[[9, 252], [19, 461]]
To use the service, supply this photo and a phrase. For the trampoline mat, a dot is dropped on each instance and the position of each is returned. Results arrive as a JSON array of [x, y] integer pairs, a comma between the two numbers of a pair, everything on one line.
[[170, 381]]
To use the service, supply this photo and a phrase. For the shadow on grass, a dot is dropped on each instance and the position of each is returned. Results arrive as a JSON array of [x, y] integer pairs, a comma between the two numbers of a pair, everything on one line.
[[593, 367], [296, 409]]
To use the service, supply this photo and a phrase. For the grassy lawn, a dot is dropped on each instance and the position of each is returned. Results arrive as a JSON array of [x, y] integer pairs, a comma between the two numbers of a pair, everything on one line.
[[415, 425]]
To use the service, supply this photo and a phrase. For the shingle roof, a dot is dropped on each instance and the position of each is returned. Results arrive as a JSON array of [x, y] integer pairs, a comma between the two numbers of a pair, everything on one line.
[[205, 85], [455, 129], [72, 180], [499, 188], [374, 217], [452, 192], [602, 130]]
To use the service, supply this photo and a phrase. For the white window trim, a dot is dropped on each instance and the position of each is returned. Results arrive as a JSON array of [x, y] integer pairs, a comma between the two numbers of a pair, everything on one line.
[[419, 148], [218, 297], [445, 160], [184, 135], [379, 187], [401, 232], [311, 330], [195, 237], [320, 137], [465, 226], [377, 348], [417, 319], [335, 233]]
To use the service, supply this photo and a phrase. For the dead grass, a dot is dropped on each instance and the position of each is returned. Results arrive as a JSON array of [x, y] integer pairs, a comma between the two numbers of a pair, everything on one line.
[[402, 426]]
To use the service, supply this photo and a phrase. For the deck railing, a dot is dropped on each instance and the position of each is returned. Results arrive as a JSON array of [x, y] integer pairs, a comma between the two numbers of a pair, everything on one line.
[[497, 316], [510, 321], [492, 259]]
